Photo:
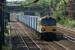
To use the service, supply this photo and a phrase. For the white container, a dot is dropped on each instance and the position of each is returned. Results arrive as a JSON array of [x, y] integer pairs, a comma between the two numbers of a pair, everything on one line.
[[31, 21]]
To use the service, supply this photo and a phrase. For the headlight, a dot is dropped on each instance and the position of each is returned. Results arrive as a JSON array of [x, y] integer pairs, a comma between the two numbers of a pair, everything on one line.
[[54, 29], [42, 29]]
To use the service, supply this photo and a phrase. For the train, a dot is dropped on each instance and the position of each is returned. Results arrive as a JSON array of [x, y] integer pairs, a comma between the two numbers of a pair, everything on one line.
[[45, 26]]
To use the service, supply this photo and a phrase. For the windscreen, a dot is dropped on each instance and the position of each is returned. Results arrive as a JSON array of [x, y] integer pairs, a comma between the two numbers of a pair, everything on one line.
[[48, 21]]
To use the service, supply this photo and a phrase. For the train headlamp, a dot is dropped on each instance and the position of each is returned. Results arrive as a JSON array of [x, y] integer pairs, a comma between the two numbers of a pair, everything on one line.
[[54, 29], [42, 29]]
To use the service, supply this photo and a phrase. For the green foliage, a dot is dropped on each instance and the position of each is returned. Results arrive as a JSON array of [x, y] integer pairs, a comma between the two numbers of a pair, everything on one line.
[[40, 2], [45, 2], [67, 22], [58, 12], [57, 7], [27, 3], [7, 47], [60, 8]]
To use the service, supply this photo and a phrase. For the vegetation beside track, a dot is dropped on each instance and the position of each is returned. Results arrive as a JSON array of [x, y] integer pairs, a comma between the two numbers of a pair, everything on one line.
[[67, 22], [7, 45]]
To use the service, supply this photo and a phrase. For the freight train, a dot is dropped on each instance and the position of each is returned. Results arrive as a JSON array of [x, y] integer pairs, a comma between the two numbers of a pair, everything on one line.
[[46, 26]]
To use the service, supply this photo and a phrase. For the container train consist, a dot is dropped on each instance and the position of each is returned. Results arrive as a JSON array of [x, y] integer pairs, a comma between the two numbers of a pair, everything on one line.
[[46, 26]]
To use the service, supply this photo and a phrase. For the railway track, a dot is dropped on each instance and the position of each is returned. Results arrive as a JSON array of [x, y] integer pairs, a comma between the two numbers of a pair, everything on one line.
[[43, 45], [18, 44], [50, 45], [68, 44], [22, 41], [58, 46], [68, 34]]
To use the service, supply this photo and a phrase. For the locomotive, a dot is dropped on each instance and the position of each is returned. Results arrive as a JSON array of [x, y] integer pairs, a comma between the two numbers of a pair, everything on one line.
[[46, 26]]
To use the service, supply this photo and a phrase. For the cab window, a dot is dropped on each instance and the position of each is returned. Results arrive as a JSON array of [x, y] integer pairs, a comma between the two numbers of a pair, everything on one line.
[[48, 21]]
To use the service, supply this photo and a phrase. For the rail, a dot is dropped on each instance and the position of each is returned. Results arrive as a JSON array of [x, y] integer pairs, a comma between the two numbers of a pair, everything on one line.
[[68, 32], [27, 40], [65, 28]]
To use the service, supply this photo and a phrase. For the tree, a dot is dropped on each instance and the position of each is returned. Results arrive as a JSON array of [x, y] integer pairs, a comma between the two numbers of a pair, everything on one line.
[[28, 2]]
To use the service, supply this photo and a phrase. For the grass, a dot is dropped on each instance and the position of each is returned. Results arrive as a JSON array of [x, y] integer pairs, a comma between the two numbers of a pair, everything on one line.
[[68, 22], [7, 45]]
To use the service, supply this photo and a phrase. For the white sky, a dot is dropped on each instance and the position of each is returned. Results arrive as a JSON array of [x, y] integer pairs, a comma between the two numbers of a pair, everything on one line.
[[14, 0]]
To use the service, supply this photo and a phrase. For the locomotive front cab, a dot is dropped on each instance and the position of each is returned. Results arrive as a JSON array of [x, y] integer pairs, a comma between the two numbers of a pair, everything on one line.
[[48, 24], [48, 28]]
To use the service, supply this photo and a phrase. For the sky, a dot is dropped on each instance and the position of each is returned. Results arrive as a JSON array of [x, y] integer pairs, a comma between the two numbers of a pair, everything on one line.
[[14, 0]]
